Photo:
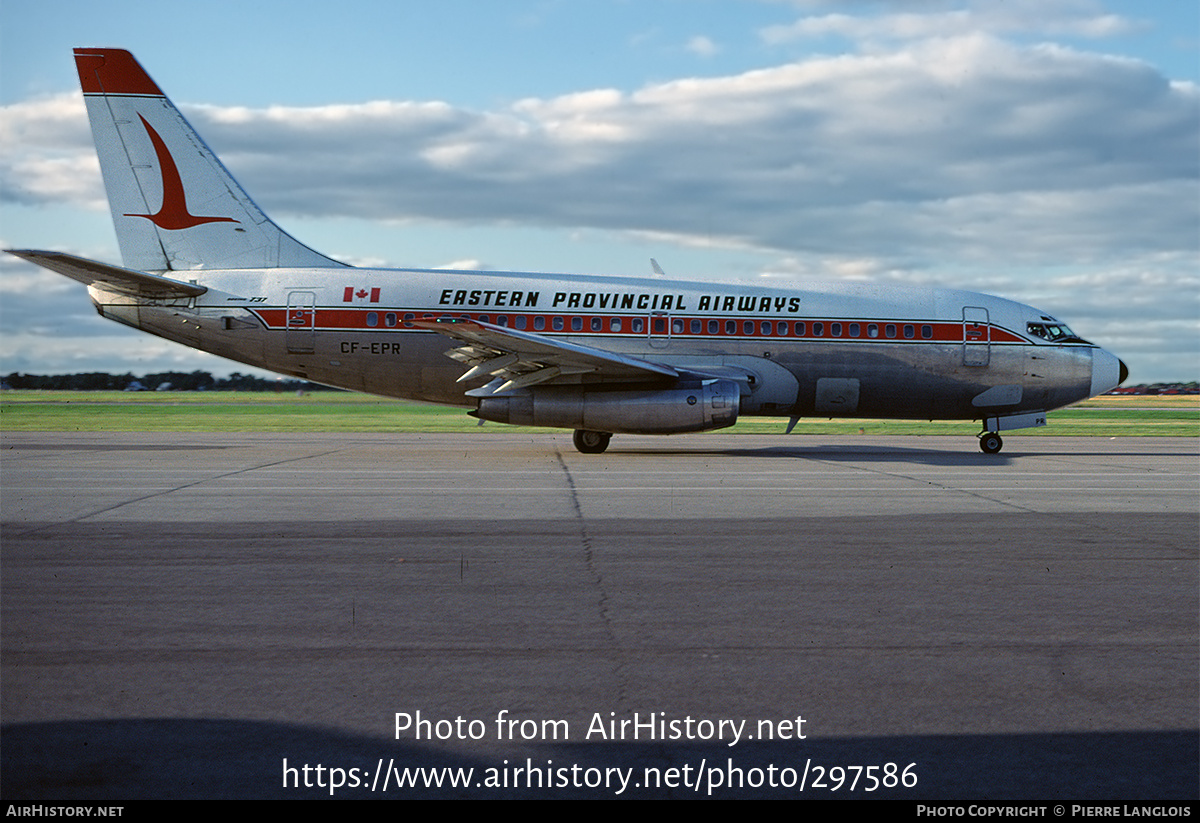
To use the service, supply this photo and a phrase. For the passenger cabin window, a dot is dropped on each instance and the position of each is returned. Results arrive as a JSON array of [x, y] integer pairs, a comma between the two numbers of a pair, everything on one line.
[[872, 330], [557, 323], [389, 319], [909, 331], [927, 331], [714, 326], [696, 325], [539, 323], [372, 318], [576, 324], [818, 329], [835, 329], [890, 330], [781, 328], [855, 330], [637, 325], [614, 324], [521, 322]]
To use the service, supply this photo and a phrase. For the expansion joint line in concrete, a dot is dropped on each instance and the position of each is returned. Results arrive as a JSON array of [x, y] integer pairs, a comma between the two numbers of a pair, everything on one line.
[[178, 488], [585, 541]]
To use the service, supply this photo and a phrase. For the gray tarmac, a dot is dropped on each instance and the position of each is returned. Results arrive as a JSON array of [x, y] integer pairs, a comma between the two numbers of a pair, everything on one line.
[[200, 615]]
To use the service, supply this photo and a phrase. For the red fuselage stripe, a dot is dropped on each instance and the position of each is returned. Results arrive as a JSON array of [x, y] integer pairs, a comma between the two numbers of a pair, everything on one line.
[[680, 326]]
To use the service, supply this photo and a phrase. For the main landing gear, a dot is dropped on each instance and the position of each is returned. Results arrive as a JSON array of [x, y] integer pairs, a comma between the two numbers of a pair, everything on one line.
[[990, 443], [590, 442]]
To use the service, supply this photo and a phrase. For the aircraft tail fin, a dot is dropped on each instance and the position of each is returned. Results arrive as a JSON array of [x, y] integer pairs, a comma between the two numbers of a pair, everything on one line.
[[174, 205]]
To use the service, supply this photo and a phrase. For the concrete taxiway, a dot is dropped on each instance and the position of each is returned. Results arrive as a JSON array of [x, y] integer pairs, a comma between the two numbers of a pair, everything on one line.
[[192, 615]]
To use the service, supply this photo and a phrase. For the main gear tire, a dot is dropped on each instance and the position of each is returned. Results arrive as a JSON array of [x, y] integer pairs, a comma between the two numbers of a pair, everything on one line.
[[590, 442]]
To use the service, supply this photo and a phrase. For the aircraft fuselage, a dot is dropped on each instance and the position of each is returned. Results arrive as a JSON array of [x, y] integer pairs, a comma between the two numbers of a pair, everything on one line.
[[824, 350]]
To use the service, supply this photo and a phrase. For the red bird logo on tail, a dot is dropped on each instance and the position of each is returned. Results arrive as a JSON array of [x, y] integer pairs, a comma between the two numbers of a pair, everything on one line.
[[173, 214]]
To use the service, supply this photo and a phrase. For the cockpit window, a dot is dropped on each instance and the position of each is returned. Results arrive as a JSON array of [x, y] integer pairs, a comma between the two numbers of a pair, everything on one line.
[[1054, 332]]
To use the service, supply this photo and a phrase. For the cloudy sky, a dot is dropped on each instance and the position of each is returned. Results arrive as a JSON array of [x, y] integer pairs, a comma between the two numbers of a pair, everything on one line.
[[1043, 150]]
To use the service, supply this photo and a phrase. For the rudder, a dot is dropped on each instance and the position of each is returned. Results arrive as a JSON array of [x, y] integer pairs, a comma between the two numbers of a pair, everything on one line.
[[174, 205]]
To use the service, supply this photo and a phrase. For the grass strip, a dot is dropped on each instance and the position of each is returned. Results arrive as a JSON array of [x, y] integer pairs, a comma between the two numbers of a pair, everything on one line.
[[1174, 416]]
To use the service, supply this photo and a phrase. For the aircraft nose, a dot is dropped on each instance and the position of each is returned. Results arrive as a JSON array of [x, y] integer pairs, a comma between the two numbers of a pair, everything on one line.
[[1108, 371]]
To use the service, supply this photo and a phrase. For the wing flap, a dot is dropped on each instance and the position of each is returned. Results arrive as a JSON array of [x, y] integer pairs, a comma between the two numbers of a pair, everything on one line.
[[519, 359], [113, 278]]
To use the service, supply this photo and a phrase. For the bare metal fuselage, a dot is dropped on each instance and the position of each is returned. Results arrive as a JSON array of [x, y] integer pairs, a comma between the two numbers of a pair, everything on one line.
[[842, 350]]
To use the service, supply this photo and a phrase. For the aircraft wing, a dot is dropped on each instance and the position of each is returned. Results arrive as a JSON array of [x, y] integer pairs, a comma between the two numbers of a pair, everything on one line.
[[519, 359], [113, 278]]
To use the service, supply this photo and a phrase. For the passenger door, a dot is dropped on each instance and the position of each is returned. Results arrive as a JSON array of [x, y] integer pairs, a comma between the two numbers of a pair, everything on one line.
[[977, 336]]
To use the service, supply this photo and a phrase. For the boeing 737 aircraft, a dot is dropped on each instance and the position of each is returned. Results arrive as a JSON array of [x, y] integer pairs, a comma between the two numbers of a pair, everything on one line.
[[203, 266]]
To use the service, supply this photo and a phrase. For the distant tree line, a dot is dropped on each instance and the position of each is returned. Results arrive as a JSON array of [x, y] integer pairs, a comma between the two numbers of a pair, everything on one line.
[[1159, 388], [159, 381]]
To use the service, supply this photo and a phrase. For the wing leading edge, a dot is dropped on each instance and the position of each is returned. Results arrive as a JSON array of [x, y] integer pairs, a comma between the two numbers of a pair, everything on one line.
[[520, 359]]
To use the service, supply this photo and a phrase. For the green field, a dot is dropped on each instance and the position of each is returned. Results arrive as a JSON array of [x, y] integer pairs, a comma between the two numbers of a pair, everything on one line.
[[1175, 416]]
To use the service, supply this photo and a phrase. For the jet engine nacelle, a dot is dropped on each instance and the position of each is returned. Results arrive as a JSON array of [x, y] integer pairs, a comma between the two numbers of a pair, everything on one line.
[[710, 404]]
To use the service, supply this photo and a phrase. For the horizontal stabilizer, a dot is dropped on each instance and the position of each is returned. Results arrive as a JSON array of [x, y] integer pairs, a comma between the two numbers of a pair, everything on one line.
[[114, 278]]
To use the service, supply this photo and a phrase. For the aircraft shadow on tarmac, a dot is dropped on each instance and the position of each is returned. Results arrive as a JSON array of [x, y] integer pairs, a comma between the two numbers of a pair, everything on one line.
[[882, 453], [847, 453], [115, 760]]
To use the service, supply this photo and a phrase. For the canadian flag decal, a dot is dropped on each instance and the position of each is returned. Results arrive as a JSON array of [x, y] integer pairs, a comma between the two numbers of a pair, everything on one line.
[[358, 295]]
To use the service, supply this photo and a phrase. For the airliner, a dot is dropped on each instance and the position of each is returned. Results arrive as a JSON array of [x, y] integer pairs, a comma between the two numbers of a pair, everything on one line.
[[202, 265]]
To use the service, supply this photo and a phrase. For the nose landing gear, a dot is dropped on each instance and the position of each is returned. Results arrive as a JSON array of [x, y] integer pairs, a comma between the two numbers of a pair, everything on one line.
[[990, 443]]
